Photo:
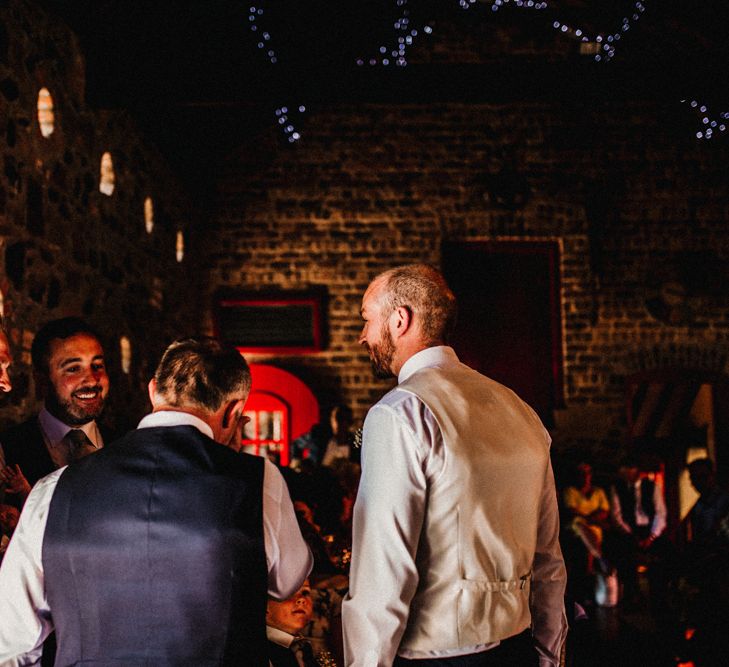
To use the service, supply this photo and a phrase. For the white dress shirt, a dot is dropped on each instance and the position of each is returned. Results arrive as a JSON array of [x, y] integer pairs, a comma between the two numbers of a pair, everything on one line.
[[25, 617], [402, 455], [54, 435], [641, 518]]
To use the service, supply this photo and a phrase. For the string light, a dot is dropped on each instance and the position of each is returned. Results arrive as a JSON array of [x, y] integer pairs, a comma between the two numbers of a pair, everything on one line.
[[264, 42], [498, 4], [604, 43], [405, 36], [283, 115], [285, 122], [709, 125]]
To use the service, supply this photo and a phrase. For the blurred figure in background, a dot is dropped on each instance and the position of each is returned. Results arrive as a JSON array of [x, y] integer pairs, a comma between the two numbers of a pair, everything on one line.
[[589, 511], [327, 441], [638, 511]]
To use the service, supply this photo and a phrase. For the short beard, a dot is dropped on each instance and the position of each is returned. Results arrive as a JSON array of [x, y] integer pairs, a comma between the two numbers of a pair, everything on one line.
[[70, 414], [381, 355]]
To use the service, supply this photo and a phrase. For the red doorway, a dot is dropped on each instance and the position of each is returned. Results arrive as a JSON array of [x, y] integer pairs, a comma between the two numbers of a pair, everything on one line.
[[281, 408]]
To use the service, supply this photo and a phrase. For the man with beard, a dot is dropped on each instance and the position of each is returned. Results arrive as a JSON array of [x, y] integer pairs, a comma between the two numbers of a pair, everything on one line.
[[70, 376], [456, 558], [161, 548]]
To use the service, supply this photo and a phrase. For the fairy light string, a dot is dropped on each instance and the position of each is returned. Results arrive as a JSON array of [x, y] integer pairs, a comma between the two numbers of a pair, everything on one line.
[[285, 118], [601, 45]]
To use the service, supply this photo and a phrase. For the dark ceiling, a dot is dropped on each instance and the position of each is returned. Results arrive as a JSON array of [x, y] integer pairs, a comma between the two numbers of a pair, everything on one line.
[[192, 69]]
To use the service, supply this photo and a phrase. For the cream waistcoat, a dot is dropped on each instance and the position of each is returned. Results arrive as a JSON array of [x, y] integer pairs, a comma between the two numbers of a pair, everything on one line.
[[480, 529]]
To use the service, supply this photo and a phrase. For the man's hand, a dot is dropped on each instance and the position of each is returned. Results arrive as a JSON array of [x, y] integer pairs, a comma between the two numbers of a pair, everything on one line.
[[14, 480]]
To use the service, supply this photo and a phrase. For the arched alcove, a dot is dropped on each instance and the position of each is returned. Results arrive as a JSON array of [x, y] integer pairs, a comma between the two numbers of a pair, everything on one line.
[[281, 408], [125, 354], [46, 116], [149, 215], [107, 178]]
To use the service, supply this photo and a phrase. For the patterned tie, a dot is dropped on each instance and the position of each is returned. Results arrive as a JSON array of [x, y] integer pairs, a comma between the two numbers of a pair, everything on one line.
[[304, 653], [78, 445]]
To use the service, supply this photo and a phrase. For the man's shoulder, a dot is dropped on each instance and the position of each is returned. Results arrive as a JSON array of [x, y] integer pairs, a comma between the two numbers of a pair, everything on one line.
[[188, 437], [399, 398]]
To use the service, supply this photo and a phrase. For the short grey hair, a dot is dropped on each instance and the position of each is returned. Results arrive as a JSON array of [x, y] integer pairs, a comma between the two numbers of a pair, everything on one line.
[[423, 290], [202, 372]]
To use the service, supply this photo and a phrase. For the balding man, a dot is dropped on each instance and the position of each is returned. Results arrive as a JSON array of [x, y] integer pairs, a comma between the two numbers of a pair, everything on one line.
[[456, 559], [160, 550]]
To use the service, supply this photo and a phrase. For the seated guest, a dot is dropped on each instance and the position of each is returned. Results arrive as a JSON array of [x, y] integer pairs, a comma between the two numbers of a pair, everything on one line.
[[284, 622], [638, 510], [588, 509]]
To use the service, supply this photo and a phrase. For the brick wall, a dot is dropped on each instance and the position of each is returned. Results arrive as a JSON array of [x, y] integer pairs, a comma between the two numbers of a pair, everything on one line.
[[631, 197], [66, 248]]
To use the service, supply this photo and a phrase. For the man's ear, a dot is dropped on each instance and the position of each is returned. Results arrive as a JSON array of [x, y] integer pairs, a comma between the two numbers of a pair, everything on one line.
[[152, 390], [233, 411], [403, 320]]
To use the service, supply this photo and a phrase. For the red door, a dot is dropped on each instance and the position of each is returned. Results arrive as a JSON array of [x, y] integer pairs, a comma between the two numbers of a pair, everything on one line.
[[281, 408]]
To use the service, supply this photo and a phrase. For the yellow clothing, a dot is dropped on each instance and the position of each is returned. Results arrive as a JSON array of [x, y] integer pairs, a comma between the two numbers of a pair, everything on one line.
[[583, 506]]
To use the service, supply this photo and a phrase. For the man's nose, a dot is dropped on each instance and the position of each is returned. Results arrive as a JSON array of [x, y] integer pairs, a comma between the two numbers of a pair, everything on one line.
[[92, 375]]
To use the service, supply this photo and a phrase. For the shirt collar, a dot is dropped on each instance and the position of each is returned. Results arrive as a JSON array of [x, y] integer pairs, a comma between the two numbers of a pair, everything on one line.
[[55, 430], [440, 355], [279, 636], [175, 418]]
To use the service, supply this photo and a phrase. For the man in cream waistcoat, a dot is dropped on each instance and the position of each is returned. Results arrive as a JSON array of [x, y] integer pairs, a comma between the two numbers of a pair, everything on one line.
[[456, 558]]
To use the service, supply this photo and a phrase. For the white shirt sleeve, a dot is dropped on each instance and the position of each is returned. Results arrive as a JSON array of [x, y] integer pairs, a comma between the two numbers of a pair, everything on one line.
[[26, 619], [549, 578], [617, 511], [388, 517], [287, 554], [659, 505]]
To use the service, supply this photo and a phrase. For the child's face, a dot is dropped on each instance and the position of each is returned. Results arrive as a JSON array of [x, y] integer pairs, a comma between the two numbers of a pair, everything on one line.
[[292, 614]]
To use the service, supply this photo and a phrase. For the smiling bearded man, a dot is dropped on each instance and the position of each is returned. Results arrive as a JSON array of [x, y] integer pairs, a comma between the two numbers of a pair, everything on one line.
[[70, 377]]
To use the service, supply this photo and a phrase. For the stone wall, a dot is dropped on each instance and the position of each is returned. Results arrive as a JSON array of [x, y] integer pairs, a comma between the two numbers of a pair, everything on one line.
[[638, 205], [65, 247]]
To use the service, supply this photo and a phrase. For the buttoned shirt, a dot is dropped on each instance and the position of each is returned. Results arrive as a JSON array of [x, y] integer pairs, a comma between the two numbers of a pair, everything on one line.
[[54, 435], [25, 616], [402, 454]]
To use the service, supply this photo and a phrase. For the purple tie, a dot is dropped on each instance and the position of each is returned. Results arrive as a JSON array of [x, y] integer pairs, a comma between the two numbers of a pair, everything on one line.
[[78, 445]]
